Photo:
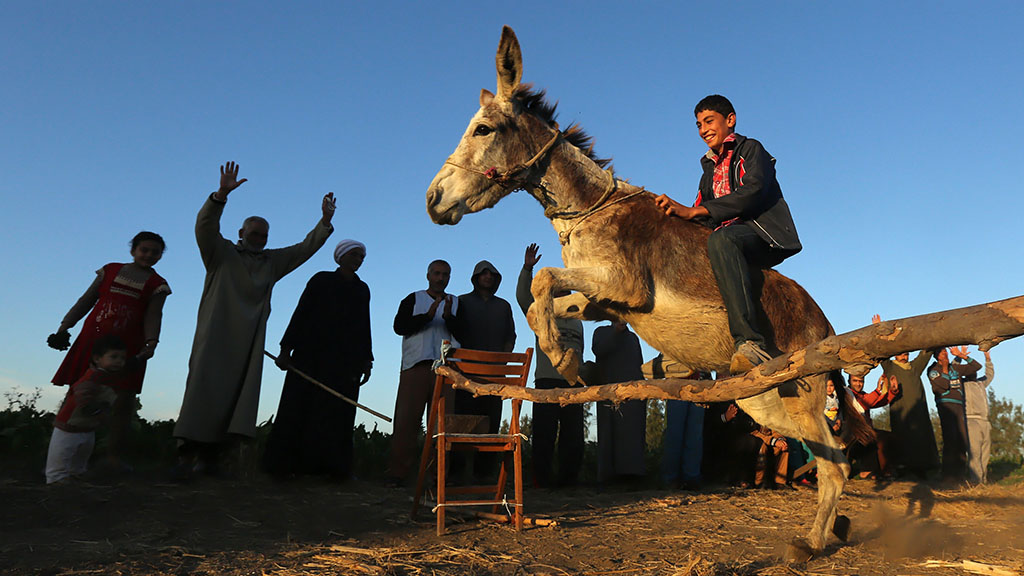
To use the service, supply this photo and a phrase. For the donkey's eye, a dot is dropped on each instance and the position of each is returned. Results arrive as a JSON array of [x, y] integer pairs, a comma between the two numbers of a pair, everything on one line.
[[482, 130]]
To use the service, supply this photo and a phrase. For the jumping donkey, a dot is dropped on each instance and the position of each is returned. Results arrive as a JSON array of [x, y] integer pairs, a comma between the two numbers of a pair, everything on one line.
[[626, 259]]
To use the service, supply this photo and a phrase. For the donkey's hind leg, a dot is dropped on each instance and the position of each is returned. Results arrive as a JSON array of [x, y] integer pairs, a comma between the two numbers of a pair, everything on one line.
[[806, 410]]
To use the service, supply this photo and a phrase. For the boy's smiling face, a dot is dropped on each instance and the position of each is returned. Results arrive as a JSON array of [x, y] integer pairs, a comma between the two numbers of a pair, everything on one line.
[[713, 128]]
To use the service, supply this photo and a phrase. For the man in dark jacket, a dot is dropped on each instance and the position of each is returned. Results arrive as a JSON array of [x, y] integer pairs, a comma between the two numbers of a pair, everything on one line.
[[947, 383], [483, 322], [742, 201]]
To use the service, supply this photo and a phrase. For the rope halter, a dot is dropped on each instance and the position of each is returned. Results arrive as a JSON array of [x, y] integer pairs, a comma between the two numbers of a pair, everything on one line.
[[513, 178]]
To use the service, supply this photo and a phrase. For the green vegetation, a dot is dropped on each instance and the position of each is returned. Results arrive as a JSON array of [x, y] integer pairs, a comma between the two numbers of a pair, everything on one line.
[[1007, 428], [25, 434]]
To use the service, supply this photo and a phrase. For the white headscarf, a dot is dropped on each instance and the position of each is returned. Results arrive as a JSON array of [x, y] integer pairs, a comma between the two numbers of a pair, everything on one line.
[[345, 246]]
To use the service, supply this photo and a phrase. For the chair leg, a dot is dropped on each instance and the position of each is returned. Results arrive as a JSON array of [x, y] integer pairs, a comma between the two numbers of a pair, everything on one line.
[[421, 481], [499, 488], [517, 470], [442, 480], [425, 457]]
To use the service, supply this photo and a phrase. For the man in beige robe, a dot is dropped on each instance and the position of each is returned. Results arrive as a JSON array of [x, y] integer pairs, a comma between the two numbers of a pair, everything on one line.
[[222, 391]]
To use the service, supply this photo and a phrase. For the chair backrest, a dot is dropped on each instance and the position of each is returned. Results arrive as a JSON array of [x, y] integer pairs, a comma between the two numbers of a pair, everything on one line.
[[507, 368]]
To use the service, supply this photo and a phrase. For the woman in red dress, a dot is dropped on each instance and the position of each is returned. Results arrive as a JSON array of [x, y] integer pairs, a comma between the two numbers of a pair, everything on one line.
[[126, 300]]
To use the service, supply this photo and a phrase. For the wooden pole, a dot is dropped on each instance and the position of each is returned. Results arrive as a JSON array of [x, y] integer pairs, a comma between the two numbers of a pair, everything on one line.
[[329, 390], [858, 351]]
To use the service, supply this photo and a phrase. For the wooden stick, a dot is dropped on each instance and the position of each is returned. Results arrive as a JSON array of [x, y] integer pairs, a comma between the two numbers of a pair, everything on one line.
[[858, 351], [505, 519], [329, 390], [805, 468], [502, 518]]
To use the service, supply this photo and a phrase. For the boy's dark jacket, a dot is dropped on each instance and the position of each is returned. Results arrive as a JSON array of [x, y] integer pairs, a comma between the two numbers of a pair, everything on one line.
[[758, 202]]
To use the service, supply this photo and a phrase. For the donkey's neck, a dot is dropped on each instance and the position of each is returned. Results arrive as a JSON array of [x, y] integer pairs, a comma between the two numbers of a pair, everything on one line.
[[571, 185]]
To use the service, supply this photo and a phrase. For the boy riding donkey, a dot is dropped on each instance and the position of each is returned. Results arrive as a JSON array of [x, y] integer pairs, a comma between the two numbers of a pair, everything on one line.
[[740, 198]]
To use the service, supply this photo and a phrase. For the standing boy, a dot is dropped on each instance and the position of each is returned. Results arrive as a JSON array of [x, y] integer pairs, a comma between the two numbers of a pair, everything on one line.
[[87, 403], [741, 200]]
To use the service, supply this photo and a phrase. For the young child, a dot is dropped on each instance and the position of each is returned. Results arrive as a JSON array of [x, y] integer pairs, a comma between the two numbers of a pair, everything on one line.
[[742, 201], [832, 408], [86, 404]]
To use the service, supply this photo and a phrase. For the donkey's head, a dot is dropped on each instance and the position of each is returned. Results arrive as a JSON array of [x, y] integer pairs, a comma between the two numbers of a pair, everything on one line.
[[493, 157]]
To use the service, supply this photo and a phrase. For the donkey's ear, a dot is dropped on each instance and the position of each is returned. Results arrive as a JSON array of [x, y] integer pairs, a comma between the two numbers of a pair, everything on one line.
[[509, 62], [485, 97]]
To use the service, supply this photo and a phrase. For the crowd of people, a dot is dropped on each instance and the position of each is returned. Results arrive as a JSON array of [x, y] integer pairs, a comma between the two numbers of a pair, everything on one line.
[[327, 352], [910, 446]]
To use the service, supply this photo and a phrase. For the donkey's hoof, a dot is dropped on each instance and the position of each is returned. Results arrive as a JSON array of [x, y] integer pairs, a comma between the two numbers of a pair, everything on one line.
[[569, 367], [841, 527], [799, 551], [740, 364]]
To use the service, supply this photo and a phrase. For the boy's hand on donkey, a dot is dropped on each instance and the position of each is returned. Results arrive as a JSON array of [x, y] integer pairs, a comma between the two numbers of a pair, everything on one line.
[[668, 205], [673, 208]]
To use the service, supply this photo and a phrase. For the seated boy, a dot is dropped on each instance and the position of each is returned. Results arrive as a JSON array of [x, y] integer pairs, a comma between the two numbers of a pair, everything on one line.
[[741, 200], [872, 458], [87, 403]]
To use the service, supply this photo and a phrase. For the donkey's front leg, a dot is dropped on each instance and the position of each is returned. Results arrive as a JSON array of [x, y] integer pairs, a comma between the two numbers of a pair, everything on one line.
[[610, 288]]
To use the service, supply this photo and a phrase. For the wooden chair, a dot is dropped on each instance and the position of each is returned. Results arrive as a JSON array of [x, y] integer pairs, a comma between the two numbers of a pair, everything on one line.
[[509, 368]]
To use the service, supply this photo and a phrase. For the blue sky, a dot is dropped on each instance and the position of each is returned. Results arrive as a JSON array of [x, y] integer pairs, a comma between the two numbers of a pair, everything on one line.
[[894, 124]]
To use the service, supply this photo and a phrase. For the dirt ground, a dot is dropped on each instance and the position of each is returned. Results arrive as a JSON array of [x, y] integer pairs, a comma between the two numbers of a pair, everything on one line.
[[311, 527]]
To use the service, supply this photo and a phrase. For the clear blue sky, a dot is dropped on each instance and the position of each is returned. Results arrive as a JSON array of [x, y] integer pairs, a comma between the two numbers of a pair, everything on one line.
[[895, 125]]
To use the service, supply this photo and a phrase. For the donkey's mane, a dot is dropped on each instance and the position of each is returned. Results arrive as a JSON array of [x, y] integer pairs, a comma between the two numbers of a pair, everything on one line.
[[536, 103]]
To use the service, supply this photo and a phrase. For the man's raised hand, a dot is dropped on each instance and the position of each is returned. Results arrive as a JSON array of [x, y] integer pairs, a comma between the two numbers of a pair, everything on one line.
[[731, 411], [531, 257], [327, 207], [228, 180]]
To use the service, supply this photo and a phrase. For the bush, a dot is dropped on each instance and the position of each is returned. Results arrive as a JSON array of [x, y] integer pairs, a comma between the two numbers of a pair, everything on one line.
[[24, 429], [1006, 471], [25, 433], [654, 437], [370, 452], [1007, 421]]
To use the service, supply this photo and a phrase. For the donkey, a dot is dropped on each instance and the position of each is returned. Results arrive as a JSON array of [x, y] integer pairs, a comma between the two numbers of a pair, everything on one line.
[[626, 259]]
